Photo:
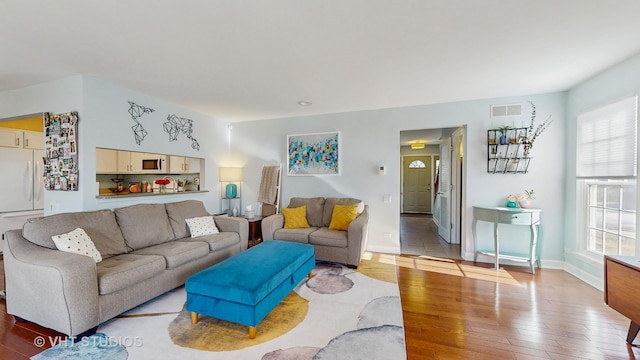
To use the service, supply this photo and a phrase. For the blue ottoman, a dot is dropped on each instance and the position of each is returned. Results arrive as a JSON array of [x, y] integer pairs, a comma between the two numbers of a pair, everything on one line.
[[246, 287]]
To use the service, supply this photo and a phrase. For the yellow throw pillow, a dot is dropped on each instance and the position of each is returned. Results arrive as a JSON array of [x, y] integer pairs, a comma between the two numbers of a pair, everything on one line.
[[295, 218], [342, 216]]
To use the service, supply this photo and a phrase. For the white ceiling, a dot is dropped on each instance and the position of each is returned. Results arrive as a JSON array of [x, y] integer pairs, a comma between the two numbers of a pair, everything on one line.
[[243, 60]]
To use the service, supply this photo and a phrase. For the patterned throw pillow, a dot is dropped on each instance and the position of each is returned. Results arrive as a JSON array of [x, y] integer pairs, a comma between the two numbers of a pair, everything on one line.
[[201, 226], [77, 242], [342, 216], [295, 218]]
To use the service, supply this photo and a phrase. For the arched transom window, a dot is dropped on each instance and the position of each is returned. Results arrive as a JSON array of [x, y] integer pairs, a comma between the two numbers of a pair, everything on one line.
[[417, 164]]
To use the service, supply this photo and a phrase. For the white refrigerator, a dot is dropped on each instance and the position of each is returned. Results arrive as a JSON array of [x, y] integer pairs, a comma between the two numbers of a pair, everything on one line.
[[21, 181]]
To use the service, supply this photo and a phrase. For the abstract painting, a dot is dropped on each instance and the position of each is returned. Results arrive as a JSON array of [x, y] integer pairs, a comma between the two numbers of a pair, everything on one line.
[[313, 154]]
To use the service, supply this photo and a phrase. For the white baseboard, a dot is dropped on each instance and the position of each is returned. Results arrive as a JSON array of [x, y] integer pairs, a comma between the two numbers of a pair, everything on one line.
[[584, 276]]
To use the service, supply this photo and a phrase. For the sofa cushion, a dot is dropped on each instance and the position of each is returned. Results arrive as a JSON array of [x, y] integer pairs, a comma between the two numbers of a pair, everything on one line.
[[342, 216], [217, 241], [119, 272], [297, 235], [101, 226], [327, 237], [77, 242], [177, 252], [181, 210], [201, 226], [295, 218], [314, 208], [330, 202], [144, 225]]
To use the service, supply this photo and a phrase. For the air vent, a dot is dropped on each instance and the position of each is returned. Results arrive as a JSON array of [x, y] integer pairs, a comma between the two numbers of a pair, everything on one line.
[[506, 110]]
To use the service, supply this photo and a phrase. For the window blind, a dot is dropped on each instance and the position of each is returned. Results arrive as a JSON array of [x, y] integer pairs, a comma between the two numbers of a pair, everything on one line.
[[607, 141]]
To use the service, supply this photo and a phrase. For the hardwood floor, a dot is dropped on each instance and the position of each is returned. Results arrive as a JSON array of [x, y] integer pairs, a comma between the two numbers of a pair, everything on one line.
[[458, 310]]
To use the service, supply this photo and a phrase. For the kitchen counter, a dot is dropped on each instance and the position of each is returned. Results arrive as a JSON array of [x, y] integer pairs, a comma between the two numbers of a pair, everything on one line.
[[126, 194]]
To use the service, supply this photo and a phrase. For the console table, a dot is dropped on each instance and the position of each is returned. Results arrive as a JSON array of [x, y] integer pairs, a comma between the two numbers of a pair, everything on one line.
[[622, 288], [511, 216]]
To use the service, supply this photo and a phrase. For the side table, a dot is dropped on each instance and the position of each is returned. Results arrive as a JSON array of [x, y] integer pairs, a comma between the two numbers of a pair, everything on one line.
[[510, 216], [255, 231]]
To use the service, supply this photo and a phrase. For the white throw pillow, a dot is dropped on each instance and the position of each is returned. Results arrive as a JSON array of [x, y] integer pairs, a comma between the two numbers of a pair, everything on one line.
[[77, 242], [200, 226]]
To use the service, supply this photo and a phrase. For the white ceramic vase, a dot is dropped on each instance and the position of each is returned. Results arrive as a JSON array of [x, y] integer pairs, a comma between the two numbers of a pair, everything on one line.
[[524, 203]]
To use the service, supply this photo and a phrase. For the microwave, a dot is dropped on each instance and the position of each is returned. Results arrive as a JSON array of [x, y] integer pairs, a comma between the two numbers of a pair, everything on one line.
[[152, 164]]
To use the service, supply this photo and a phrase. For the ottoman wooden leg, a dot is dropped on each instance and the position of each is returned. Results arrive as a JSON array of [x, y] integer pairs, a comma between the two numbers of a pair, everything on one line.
[[194, 317], [252, 332], [310, 274]]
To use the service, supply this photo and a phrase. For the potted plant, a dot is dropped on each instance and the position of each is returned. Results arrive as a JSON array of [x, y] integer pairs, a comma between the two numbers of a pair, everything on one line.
[[503, 137]]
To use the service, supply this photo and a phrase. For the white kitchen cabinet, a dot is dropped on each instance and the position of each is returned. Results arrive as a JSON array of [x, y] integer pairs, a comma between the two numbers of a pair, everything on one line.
[[183, 164], [124, 162], [33, 140], [21, 139], [106, 161], [10, 138]]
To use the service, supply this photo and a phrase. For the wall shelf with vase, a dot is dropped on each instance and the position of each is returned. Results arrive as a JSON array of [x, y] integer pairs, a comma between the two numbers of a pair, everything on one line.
[[506, 151]]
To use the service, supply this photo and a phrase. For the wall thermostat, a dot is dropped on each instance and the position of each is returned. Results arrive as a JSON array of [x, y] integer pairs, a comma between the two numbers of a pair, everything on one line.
[[382, 170]]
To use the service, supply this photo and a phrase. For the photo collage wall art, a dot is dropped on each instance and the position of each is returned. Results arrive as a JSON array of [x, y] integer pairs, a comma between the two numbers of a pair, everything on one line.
[[61, 151]]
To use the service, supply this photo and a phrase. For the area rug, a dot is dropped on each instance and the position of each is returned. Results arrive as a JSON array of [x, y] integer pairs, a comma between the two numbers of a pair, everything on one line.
[[339, 313]]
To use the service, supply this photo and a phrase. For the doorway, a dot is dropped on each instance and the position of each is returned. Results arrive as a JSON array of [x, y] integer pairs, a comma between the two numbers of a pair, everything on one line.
[[431, 192]]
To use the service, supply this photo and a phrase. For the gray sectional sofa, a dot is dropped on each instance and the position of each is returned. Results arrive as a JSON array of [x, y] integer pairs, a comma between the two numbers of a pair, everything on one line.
[[345, 247], [146, 250]]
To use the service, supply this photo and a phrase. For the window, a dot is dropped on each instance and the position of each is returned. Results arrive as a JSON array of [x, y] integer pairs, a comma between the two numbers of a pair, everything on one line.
[[611, 212], [606, 174], [417, 164]]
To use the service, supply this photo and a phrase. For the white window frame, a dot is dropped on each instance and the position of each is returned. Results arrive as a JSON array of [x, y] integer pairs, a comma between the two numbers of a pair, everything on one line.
[[583, 216]]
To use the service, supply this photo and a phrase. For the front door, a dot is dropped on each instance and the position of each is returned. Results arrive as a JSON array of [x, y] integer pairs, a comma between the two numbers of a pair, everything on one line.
[[416, 195]]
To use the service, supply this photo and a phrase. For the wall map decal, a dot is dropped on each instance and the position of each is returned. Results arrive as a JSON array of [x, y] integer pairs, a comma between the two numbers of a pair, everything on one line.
[[136, 111], [176, 125]]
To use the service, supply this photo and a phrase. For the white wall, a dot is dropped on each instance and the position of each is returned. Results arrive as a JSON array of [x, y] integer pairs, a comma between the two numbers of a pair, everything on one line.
[[107, 124], [613, 84], [104, 121], [371, 138]]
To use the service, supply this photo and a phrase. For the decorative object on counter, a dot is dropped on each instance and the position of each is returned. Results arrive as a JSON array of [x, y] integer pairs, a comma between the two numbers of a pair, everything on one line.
[[118, 183], [134, 187], [176, 125], [61, 151], [182, 183], [532, 134], [234, 212], [136, 111], [524, 199], [163, 184], [144, 186]]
